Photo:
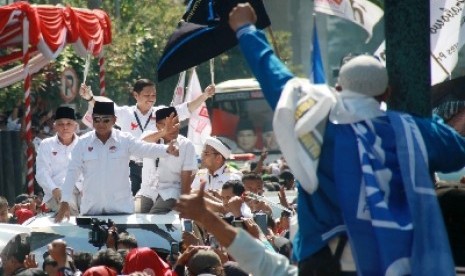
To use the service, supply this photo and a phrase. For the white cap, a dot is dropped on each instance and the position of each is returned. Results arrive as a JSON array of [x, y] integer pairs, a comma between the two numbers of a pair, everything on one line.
[[218, 146], [364, 75]]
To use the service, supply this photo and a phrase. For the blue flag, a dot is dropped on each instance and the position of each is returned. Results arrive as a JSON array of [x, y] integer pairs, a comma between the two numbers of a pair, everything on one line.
[[317, 72]]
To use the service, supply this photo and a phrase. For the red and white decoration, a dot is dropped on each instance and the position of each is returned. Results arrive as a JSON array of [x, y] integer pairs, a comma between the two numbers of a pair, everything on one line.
[[36, 34]]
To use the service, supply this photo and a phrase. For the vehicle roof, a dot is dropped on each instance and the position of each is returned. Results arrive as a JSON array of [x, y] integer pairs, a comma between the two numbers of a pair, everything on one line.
[[237, 85]]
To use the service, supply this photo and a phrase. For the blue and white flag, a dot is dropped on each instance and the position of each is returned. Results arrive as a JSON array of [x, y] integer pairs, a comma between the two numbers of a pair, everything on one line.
[[317, 71], [395, 226]]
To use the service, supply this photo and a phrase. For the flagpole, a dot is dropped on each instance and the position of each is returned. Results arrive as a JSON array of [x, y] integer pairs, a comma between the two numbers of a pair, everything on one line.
[[273, 41], [212, 70]]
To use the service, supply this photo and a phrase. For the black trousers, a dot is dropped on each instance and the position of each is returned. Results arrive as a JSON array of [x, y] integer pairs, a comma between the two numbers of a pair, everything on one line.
[[135, 175]]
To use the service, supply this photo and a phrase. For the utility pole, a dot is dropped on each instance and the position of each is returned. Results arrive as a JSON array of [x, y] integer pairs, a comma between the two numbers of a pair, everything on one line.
[[408, 55]]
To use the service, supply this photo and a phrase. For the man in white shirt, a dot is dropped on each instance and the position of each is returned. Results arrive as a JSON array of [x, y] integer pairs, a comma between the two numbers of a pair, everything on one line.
[[138, 118], [53, 157], [102, 156], [165, 179], [215, 172]]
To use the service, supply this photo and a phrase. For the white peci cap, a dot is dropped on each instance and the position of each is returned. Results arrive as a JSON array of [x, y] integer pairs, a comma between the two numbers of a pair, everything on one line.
[[364, 75], [219, 146]]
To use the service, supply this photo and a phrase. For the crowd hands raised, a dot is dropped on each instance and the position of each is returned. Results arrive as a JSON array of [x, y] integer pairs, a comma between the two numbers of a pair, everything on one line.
[[226, 216]]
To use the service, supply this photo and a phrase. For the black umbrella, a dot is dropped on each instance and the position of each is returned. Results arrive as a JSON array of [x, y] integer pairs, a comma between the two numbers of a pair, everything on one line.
[[203, 34]]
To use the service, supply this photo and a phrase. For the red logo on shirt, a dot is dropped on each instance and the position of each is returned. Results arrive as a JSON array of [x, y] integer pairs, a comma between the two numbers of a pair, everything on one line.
[[54, 152], [90, 148], [133, 126]]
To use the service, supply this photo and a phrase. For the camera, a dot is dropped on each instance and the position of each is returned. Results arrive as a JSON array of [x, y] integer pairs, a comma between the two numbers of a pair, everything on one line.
[[98, 234]]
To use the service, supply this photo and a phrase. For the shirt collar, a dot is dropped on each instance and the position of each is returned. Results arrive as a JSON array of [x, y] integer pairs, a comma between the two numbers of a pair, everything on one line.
[[219, 171]]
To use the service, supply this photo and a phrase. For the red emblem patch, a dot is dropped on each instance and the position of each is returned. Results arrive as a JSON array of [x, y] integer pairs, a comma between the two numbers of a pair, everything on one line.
[[133, 126]]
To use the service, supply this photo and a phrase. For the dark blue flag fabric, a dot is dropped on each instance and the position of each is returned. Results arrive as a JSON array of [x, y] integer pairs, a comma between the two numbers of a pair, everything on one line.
[[203, 33], [317, 71]]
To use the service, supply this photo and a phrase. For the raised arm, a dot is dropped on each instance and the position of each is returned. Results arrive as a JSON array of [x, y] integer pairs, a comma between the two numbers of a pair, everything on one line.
[[208, 93], [270, 72]]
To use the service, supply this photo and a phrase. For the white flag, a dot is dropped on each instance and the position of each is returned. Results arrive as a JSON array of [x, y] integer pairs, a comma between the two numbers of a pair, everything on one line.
[[447, 34], [199, 123], [447, 37], [361, 12], [178, 95]]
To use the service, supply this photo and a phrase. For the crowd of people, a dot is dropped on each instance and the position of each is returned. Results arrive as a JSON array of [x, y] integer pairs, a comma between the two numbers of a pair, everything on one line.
[[365, 198]]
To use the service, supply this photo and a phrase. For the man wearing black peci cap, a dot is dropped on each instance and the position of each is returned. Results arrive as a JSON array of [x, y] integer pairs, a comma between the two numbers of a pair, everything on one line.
[[165, 179], [137, 119], [53, 158], [102, 156]]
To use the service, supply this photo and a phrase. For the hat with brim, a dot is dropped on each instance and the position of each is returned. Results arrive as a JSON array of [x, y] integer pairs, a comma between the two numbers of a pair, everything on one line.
[[64, 112], [218, 146], [104, 108]]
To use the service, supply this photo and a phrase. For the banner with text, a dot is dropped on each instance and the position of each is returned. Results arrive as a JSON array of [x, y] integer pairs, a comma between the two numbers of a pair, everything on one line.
[[361, 12]]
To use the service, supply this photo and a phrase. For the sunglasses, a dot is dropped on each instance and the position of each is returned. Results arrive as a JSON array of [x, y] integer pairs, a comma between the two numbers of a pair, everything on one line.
[[99, 119]]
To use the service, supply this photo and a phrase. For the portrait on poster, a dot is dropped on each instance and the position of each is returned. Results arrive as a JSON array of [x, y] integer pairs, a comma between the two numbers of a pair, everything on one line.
[[69, 85]]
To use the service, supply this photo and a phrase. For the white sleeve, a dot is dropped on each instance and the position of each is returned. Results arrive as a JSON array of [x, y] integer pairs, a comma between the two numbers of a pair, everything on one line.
[[183, 111], [73, 174], [143, 149], [190, 160], [44, 168], [245, 248]]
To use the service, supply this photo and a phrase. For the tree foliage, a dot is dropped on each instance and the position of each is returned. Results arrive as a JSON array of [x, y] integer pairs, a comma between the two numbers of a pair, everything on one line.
[[140, 31]]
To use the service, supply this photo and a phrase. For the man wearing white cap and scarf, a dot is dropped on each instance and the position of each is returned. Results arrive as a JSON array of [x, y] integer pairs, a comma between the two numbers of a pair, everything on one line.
[[362, 171], [215, 172]]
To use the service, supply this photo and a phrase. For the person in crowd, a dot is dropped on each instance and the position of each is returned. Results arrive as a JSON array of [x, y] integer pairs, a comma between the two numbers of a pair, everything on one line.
[[58, 251], [100, 270], [287, 180], [53, 158], [365, 184], [4, 213], [230, 204], [102, 156], [231, 196], [164, 179], [25, 207], [215, 171], [199, 260], [239, 244], [141, 117], [144, 259], [14, 121], [50, 266], [82, 260], [126, 241], [205, 262], [268, 137], [16, 255], [108, 258], [254, 186], [246, 136]]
